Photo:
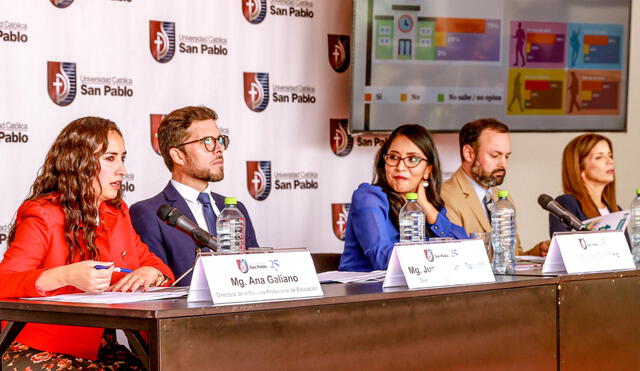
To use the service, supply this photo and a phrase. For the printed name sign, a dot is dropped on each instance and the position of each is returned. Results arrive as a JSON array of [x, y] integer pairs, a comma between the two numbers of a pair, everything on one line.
[[242, 278], [438, 264], [582, 252]]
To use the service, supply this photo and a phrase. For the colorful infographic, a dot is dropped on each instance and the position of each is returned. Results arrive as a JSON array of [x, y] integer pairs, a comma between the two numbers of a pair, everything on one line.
[[595, 46], [535, 92], [442, 62], [406, 36], [593, 92], [537, 44], [591, 72]]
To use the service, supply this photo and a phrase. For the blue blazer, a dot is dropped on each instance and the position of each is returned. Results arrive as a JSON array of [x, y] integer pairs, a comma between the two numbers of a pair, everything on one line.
[[371, 234], [174, 247], [572, 205]]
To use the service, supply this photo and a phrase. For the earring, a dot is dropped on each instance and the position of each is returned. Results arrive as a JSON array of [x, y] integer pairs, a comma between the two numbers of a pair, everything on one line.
[[425, 183]]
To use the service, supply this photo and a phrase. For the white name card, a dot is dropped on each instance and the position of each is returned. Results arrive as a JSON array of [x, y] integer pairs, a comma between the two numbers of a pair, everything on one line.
[[242, 278], [582, 252], [438, 264]]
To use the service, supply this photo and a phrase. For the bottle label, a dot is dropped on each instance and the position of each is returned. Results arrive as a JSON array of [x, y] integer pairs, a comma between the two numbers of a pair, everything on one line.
[[456, 262]]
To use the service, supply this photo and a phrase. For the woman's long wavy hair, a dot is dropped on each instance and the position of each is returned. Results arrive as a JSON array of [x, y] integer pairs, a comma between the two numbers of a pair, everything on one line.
[[573, 158], [421, 138], [70, 168]]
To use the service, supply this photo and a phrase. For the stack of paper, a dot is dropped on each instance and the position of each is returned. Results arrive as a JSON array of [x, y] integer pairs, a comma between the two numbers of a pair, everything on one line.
[[346, 277], [154, 293]]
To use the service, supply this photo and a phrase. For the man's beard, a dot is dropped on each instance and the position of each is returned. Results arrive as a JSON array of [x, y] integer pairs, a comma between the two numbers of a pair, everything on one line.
[[205, 174], [485, 179]]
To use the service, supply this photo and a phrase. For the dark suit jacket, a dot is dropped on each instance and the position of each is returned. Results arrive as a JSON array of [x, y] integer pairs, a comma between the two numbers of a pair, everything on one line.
[[174, 247], [572, 205]]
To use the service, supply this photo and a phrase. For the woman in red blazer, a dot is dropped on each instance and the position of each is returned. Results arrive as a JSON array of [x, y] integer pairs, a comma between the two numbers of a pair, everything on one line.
[[73, 220]]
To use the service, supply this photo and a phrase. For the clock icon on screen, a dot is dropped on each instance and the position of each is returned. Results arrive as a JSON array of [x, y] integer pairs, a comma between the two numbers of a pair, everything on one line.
[[405, 23]]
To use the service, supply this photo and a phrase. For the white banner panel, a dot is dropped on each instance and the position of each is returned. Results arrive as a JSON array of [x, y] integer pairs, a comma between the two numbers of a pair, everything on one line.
[[133, 61]]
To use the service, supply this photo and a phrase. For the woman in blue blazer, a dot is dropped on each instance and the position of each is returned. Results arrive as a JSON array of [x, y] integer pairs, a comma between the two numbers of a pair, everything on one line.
[[407, 163]]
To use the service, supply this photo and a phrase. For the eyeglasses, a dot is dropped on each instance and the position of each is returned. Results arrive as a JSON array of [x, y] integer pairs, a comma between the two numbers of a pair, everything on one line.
[[409, 161], [210, 142]]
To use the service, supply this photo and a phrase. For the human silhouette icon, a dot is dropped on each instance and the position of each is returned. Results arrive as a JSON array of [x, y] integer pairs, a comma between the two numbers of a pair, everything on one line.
[[520, 37], [574, 90], [574, 42], [517, 94]]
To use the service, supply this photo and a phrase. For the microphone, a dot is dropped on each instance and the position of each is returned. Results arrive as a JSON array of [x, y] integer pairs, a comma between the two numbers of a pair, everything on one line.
[[175, 218], [571, 221]]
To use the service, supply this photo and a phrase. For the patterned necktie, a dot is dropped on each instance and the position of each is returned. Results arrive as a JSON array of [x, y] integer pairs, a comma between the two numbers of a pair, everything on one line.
[[488, 202], [209, 215]]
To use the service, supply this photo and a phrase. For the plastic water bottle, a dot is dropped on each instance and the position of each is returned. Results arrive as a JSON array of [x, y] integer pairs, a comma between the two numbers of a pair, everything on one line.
[[411, 220], [230, 227], [503, 235], [634, 225]]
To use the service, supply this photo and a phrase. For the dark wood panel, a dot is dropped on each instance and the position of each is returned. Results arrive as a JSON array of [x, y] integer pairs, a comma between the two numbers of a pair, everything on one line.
[[599, 323], [493, 329]]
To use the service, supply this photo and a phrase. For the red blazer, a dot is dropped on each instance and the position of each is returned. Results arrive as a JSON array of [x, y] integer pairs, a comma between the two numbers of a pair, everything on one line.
[[40, 244]]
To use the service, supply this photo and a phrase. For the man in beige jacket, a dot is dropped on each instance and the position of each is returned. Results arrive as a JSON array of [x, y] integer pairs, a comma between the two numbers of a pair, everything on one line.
[[471, 192]]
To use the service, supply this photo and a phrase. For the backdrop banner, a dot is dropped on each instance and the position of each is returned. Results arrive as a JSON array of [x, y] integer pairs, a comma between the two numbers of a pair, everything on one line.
[[276, 72]]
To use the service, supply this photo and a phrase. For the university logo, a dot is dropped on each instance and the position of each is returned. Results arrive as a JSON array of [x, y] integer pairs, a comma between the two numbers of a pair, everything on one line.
[[61, 82], [162, 40], [242, 265], [61, 3], [339, 214], [259, 179], [155, 123], [339, 52], [429, 254], [254, 11], [256, 90], [339, 137]]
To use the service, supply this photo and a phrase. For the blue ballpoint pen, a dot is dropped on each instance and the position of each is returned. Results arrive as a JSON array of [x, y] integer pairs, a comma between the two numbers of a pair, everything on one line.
[[116, 269]]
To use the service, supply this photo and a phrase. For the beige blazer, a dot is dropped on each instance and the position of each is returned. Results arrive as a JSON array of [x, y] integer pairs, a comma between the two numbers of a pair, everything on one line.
[[465, 209]]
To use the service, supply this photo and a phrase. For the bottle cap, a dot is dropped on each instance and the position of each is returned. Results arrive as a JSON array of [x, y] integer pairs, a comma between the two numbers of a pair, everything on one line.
[[230, 200], [412, 196], [503, 194], [638, 191]]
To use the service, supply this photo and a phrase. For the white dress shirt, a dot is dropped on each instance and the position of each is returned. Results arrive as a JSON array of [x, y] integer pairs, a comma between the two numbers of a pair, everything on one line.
[[480, 192], [190, 195]]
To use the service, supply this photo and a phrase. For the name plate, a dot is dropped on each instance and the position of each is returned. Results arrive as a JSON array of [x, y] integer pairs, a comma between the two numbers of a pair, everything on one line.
[[583, 252], [438, 264], [252, 277]]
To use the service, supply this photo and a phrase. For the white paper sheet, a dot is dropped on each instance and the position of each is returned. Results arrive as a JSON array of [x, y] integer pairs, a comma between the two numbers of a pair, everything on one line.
[[154, 293], [346, 277], [530, 258], [617, 221]]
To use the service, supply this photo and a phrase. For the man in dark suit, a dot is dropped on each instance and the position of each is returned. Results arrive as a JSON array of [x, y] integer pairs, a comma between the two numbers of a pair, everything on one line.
[[192, 148]]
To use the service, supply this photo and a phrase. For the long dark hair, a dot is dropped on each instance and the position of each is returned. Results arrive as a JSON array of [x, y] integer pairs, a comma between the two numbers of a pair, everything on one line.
[[69, 170], [421, 138]]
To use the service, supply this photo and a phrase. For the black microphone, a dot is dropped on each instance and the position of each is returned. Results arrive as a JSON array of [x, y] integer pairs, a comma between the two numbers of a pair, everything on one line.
[[571, 221], [175, 218]]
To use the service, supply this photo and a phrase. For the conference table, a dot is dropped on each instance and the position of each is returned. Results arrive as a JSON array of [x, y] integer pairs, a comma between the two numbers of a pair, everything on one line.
[[525, 322]]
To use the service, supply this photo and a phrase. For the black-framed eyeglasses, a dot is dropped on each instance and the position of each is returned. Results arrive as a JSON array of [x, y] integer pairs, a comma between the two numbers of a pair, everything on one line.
[[409, 161], [210, 142]]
